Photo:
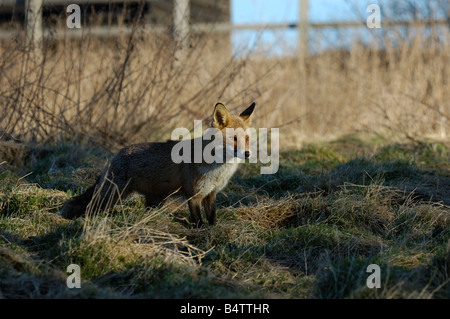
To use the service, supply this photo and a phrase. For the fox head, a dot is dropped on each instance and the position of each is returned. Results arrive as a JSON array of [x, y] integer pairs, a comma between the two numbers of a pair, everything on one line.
[[235, 130]]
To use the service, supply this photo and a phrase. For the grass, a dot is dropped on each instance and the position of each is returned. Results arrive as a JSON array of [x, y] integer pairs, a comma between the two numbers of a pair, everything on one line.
[[309, 231]]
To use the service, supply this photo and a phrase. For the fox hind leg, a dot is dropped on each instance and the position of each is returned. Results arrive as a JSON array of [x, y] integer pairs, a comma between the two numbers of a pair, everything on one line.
[[152, 200], [209, 203]]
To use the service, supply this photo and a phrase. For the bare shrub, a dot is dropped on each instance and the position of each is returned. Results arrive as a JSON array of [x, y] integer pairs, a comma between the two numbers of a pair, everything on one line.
[[134, 87]]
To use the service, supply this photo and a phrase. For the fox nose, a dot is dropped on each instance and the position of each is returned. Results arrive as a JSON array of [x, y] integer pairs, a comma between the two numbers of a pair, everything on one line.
[[247, 154]]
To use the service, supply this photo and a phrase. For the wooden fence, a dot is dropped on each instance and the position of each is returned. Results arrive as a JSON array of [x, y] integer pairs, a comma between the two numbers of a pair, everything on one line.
[[181, 27]]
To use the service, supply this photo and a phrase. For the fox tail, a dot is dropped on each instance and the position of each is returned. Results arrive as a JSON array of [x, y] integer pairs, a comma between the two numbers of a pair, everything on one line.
[[76, 206]]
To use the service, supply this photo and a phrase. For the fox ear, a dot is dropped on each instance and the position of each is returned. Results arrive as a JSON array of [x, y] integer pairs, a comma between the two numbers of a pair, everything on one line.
[[247, 114], [221, 117]]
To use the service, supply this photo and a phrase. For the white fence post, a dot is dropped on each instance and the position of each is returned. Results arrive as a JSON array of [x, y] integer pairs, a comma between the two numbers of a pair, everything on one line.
[[181, 13], [303, 27], [34, 30]]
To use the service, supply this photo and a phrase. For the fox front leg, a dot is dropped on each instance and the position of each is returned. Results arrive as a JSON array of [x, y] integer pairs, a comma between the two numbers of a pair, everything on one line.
[[209, 202], [195, 206]]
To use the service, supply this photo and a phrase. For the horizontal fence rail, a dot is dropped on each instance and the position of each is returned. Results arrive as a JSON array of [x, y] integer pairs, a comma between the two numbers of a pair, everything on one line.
[[115, 30], [179, 20]]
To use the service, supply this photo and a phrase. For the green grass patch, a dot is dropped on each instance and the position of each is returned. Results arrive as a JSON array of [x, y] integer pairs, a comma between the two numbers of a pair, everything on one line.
[[309, 231]]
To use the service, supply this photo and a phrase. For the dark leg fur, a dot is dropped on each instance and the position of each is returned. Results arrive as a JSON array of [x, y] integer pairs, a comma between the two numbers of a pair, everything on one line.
[[195, 206], [209, 202], [152, 200]]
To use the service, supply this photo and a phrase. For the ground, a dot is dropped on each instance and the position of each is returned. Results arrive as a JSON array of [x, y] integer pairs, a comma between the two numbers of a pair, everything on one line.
[[309, 231]]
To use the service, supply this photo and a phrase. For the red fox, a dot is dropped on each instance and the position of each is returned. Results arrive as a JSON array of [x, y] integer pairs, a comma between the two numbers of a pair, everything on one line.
[[149, 169]]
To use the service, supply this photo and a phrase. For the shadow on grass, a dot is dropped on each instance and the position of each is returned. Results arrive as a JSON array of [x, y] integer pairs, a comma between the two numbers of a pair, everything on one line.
[[330, 174], [320, 220]]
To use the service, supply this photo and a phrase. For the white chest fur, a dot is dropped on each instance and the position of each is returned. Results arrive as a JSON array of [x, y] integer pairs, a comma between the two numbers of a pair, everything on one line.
[[215, 177]]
